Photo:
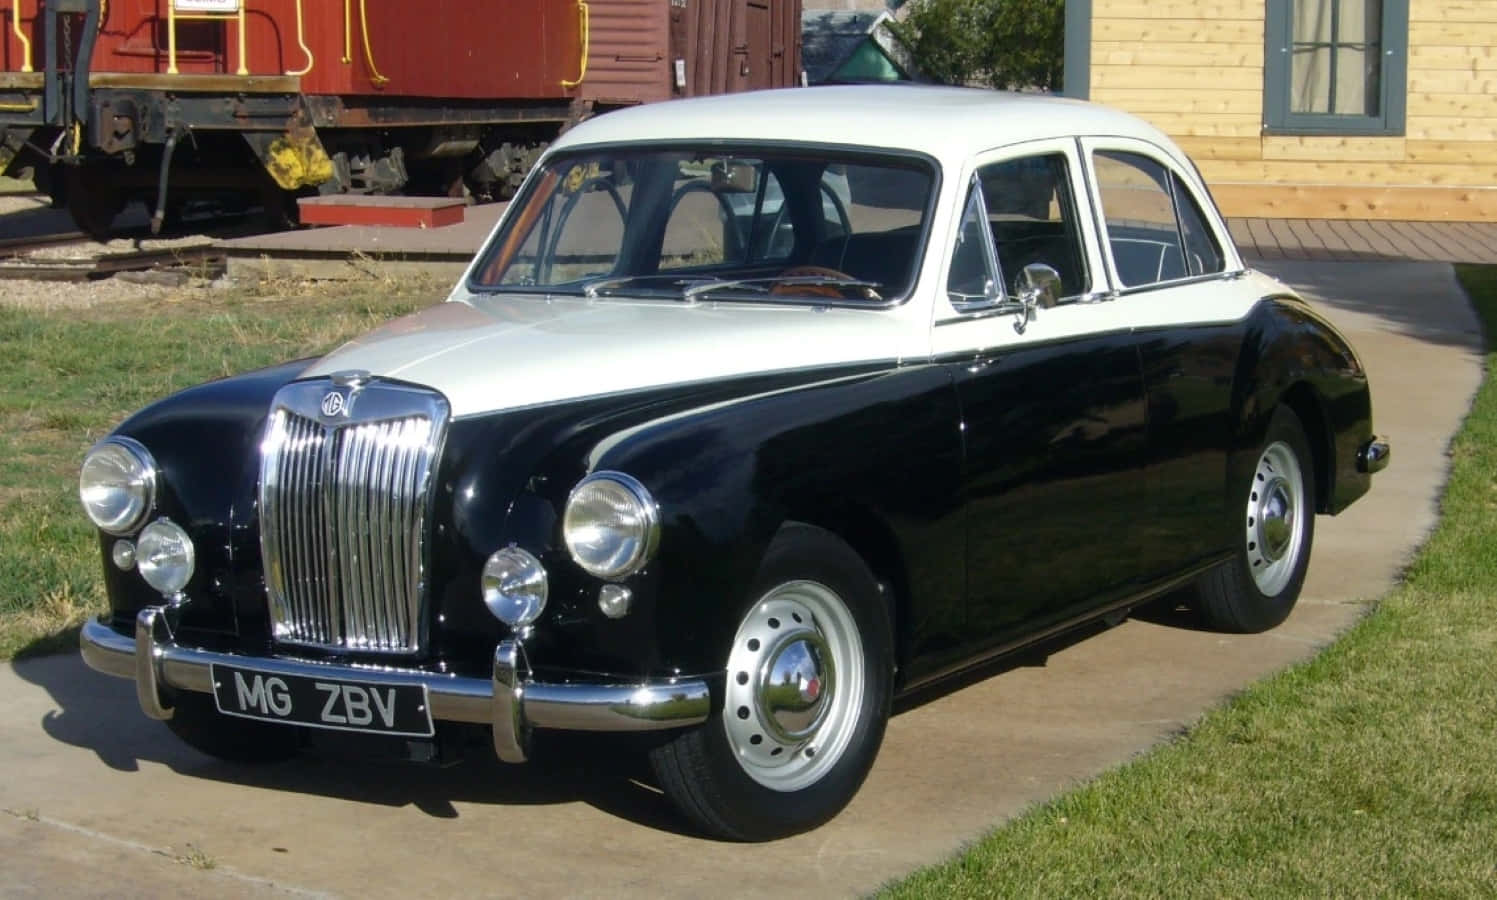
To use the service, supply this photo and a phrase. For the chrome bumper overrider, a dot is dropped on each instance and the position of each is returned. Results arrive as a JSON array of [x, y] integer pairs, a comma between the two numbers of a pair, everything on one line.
[[510, 701], [1374, 455]]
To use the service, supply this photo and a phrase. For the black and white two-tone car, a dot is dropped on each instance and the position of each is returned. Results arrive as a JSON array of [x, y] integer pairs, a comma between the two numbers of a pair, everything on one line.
[[753, 413]]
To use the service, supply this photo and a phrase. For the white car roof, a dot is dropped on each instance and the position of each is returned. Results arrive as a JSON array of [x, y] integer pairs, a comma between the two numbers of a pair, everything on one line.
[[945, 122]]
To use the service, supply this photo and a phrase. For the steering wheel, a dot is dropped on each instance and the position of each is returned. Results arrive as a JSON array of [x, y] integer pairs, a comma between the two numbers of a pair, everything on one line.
[[732, 238]]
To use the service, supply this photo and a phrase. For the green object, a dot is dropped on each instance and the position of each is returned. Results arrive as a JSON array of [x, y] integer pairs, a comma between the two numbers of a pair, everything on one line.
[[869, 62]]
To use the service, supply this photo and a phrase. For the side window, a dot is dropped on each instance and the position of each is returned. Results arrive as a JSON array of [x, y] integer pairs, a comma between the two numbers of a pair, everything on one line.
[[1032, 214], [1142, 231], [1203, 256], [973, 280]]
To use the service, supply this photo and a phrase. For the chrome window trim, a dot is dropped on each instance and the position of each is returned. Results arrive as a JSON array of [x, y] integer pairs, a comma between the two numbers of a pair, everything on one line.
[[975, 194], [1188, 174]]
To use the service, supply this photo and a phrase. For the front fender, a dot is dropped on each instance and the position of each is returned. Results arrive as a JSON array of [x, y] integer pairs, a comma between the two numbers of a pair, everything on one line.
[[865, 454], [205, 439]]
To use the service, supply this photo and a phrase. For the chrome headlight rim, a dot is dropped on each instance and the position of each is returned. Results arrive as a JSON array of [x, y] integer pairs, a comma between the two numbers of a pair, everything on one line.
[[149, 477], [649, 540]]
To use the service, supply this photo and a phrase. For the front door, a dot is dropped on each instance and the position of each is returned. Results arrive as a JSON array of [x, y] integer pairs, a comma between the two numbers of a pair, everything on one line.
[[1053, 413]]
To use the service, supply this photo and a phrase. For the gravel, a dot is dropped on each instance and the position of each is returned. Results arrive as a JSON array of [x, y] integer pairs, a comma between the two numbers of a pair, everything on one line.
[[61, 296]]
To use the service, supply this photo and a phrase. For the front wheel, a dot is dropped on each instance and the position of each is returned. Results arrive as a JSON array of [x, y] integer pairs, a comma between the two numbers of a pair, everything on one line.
[[1274, 516], [808, 683]]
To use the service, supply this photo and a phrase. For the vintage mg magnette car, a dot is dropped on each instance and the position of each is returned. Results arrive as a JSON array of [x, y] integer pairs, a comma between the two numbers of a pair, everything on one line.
[[753, 414]]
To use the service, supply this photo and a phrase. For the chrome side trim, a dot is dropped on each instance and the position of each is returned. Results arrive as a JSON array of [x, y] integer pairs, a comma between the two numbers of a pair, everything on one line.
[[509, 701], [1374, 455]]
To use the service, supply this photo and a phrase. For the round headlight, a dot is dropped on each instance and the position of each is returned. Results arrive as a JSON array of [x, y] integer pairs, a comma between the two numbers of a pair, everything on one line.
[[514, 587], [117, 484], [165, 556], [611, 524]]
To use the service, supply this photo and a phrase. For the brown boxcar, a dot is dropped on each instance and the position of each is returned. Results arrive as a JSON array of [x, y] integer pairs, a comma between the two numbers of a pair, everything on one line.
[[107, 101]]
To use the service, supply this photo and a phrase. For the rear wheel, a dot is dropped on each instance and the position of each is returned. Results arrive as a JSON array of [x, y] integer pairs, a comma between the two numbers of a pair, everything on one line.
[[199, 724], [1274, 516], [809, 678]]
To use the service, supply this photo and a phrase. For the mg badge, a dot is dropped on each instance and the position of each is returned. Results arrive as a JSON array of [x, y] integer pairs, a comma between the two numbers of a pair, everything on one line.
[[333, 404]]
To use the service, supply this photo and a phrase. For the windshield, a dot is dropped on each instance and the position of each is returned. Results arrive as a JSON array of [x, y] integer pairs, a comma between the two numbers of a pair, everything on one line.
[[692, 224]]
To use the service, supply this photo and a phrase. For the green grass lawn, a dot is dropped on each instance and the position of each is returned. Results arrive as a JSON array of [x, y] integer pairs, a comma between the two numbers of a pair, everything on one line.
[[70, 375], [1370, 770]]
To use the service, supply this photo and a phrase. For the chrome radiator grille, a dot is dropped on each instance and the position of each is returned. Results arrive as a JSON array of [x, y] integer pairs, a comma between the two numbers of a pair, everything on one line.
[[345, 471]]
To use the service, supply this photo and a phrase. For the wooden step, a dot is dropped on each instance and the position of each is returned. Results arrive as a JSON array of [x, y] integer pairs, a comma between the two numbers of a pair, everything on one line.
[[366, 209]]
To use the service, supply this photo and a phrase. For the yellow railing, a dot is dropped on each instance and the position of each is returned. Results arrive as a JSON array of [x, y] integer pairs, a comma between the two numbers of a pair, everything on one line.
[[205, 10], [201, 11], [15, 24], [347, 58], [301, 40], [586, 27]]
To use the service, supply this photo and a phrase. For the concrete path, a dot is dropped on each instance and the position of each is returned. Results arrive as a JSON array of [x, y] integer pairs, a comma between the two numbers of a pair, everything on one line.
[[101, 801]]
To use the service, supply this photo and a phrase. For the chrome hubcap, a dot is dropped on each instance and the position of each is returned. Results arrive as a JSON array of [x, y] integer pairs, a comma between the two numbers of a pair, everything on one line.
[[1275, 520], [1275, 527], [794, 685]]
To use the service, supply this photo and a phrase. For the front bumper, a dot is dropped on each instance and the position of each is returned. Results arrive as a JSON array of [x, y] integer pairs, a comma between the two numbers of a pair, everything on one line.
[[510, 701]]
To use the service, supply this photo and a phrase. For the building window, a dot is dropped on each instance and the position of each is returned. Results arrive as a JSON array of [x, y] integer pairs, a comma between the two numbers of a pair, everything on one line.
[[1335, 66]]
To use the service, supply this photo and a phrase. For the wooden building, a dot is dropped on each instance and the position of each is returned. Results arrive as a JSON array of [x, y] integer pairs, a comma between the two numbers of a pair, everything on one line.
[[1356, 109]]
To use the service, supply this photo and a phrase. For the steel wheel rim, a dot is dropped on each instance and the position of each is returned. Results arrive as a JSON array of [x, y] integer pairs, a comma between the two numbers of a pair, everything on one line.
[[1276, 518], [788, 738]]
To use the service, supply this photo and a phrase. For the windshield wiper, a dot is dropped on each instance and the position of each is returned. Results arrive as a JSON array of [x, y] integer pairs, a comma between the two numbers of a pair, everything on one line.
[[869, 288], [608, 282]]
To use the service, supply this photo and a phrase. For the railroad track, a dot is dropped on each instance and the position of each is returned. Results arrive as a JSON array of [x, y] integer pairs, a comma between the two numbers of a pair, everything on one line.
[[21, 258], [93, 262]]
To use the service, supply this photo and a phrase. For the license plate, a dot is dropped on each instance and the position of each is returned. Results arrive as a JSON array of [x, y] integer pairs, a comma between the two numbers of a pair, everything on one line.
[[337, 703]]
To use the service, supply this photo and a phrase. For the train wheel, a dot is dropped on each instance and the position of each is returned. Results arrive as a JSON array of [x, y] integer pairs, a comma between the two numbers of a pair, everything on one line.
[[92, 200]]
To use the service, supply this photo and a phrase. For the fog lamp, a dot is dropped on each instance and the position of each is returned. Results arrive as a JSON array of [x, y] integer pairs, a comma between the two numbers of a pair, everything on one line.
[[514, 586], [165, 556]]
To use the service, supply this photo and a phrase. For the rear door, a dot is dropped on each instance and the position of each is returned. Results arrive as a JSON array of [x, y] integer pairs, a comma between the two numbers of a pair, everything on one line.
[[1053, 416], [1174, 270]]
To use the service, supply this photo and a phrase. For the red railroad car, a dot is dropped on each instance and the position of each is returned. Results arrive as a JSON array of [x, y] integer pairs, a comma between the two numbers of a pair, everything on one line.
[[107, 101]]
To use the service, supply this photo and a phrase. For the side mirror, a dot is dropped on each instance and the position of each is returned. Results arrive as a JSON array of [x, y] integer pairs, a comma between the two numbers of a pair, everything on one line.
[[1038, 286]]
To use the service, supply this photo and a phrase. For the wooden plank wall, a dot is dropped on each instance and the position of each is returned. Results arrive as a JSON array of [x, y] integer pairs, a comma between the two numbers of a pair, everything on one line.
[[1196, 71]]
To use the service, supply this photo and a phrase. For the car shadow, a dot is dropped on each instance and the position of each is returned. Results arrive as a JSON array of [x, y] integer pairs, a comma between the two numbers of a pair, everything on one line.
[[101, 714]]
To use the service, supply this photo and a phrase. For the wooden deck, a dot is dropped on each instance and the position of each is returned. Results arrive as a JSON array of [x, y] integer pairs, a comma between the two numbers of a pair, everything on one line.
[[1354, 240]]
